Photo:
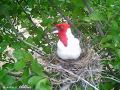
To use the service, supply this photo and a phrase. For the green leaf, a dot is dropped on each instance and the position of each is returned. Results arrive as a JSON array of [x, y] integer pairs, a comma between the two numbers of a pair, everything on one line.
[[11, 88], [47, 21], [87, 19], [96, 16], [47, 49], [43, 84], [19, 45], [1, 38], [30, 2], [8, 38], [116, 64], [34, 80], [110, 2], [30, 40], [39, 35], [78, 3], [3, 46], [22, 55], [37, 68], [114, 26], [18, 54], [8, 65], [8, 80], [106, 86], [118, 52], [107, 45], [107, 38], [4, 9], [25, 76], [19, 65], [2, 74], [104, 62]]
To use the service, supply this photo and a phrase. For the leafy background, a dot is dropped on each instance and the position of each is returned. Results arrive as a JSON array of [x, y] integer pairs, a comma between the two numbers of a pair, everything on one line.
[[97, 19]]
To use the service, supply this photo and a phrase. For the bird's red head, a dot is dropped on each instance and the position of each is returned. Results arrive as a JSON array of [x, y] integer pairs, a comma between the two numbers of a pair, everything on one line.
[[61, 31], [62, 27]]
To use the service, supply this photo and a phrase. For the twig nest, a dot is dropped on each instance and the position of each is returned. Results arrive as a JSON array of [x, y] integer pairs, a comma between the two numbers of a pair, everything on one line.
[[88, 58], [86, 67]]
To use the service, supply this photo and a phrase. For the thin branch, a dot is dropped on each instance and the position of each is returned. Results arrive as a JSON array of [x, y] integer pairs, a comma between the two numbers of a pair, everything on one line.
[[28, 16], [80, 78], [90, 9], [21, 35], [118, 81], [110, 69], [98, 23], [31, 45], [13, 28], [15, 74], [75, 75], [65, 87], [3, 86]]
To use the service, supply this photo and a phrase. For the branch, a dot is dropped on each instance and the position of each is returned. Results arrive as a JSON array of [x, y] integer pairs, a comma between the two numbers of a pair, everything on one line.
[[3, 86], [98, 23], [16, 74], [65, 87], [110, 69], [28, 16], [21, 35], [74, 75], [35, 47], [118, 81], [90, 9], [13, 28], [79, 78]]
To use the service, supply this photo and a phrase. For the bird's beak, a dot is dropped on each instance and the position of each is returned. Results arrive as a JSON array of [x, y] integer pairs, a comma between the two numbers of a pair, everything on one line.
[[55, 30]]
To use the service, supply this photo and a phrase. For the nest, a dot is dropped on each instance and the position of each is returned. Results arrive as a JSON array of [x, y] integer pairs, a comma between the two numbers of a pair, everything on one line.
[[85, 70]]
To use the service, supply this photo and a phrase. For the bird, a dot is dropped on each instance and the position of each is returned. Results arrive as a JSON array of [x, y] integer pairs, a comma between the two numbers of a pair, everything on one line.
[[68, 47]]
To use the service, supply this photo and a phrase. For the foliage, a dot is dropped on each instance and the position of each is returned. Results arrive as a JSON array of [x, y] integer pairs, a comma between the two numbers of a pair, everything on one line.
[[93, 18]]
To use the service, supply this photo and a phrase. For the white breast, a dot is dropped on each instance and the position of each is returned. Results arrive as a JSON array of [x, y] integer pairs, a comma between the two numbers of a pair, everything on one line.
[[72, 51]]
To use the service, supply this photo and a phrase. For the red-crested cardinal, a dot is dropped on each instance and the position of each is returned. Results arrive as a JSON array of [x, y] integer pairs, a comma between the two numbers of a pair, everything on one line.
[[68, 46]]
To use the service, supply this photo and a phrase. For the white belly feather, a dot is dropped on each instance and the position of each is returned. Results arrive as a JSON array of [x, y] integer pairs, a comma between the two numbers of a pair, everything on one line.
[[72, 51]]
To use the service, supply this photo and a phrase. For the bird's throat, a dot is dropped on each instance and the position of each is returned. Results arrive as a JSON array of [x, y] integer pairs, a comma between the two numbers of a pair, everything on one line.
[[63, 38]]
